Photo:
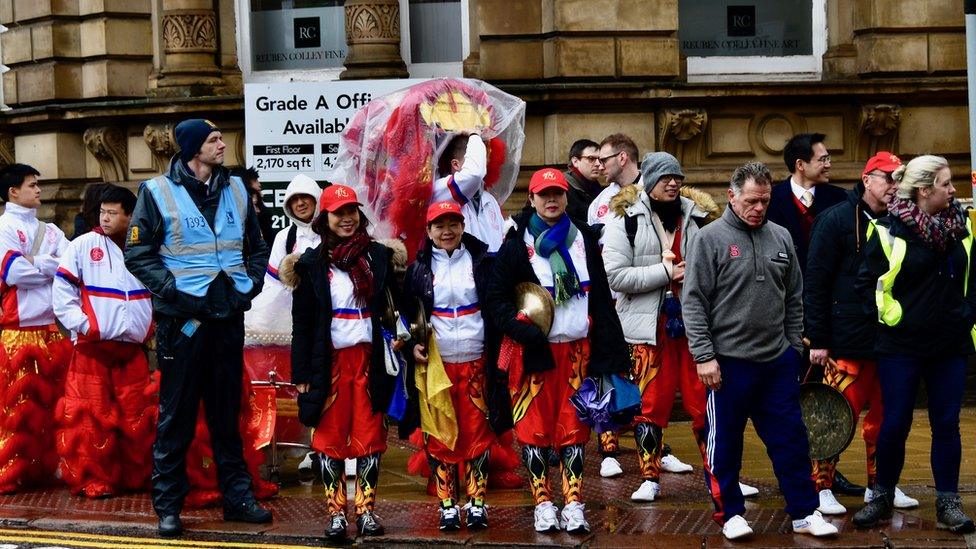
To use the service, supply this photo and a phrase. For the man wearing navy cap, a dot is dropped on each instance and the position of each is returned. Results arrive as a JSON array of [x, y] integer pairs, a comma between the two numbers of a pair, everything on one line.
[[195, 242]]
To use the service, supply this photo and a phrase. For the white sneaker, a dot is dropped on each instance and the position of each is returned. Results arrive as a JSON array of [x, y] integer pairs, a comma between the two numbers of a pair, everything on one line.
[[610, 468], [545, 517], [815, 525], [672, 464], [350, 468], [648, 491], [736, 527], [829, 504], [902, 500], [572, 519], [748, 491]]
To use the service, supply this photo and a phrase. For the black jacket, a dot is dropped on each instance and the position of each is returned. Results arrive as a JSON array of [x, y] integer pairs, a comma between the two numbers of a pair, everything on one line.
[[418, 283], [146, 234], [936, 317], [580, 195], [834, 314], [782, 211], [311, 340], [609, 351]]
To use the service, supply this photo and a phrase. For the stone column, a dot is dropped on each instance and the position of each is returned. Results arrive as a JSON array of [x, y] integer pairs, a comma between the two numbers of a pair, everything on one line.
[[373, 36], [188, 60]]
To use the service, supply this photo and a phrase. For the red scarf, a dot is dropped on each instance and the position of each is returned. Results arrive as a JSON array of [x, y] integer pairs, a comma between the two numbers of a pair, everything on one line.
[[350, 255]]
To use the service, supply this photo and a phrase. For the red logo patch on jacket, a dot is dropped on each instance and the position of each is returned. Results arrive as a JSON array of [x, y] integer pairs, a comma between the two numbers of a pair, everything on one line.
[[97, 254], [530, 250], [602, 210], [21, 236], [733, 250]]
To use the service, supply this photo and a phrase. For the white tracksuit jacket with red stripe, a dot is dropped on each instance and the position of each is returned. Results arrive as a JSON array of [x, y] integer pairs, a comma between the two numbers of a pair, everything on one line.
[[26, 285], [96, 297]]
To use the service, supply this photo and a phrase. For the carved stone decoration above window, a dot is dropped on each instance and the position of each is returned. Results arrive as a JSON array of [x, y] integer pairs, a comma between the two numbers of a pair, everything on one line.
[[162, 143], [190, 31], [879, 120], [679, 128], [373, 22], [108, 145], [7, 156]]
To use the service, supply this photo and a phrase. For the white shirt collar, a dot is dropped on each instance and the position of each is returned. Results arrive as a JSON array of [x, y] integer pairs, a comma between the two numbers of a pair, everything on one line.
[[20, 211], [798, 190], [440, 255]]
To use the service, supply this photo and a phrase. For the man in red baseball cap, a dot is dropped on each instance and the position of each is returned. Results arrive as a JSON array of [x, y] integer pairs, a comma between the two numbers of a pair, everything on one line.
[[450, 277], [835, 321], [547, 248]]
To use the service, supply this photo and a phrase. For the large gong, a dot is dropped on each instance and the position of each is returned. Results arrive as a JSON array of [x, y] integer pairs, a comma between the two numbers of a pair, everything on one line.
[[829, 419]]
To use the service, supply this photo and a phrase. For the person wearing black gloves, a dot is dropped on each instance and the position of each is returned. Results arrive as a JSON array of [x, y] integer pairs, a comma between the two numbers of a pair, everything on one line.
[[194, 241]]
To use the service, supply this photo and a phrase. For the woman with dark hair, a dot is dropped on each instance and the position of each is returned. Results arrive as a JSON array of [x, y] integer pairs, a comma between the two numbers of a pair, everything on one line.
[[339, 353], [917, 272], [87, 218]]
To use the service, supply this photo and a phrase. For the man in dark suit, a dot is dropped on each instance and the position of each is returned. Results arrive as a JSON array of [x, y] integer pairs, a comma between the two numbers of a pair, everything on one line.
[[797, 201]]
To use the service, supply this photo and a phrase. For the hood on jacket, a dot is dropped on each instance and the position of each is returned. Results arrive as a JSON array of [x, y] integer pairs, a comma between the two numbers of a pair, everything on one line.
[[656, 165], [302, 184], [628, 196]]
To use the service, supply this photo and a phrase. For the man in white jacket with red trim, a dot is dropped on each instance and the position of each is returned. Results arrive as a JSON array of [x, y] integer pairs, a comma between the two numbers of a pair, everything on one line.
[[106, 415], [461, 168], [34, 353]]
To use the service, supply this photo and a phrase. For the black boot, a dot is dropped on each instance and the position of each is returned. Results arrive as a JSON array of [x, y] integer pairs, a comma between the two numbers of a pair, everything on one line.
[[843, 486], [249, 511], [170, 526], [950, 516], [879, 509]]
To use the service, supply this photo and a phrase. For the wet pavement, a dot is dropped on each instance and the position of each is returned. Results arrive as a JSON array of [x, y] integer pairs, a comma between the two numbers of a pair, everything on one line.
[[681, 517]]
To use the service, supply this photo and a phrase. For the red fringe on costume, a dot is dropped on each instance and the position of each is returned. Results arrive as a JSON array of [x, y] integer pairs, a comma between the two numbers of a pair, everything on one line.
[[502, 463], [32, 367], [107, 420]]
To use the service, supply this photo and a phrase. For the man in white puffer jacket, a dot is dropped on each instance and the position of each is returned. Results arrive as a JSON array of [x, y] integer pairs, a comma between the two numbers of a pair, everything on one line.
[[644, 243]]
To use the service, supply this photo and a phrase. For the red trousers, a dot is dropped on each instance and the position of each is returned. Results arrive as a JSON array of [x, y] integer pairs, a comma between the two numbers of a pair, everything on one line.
[[661, 371], [349, 428], [858, 381], [541, 409], [471, 410], [32, 368], [107, 419]]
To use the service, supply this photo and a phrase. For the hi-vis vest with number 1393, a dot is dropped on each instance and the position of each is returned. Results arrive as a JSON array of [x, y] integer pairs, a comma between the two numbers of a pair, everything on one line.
[[191, 250], [894, 248]]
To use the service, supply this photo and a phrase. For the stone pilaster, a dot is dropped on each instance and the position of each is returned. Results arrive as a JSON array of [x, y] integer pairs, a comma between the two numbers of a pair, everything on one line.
[[373, 36], [187, 64]]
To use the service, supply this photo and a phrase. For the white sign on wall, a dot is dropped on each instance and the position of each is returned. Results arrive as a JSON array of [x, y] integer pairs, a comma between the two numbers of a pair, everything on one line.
[[294, 127]]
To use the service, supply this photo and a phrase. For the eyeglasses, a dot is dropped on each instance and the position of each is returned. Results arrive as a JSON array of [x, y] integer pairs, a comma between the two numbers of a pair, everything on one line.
[[590, 158], [604, 159], [825, 159], [666, 179], [886, 176]]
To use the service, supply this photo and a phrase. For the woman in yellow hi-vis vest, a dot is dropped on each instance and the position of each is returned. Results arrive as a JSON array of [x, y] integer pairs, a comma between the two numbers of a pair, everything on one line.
[[917, 274]]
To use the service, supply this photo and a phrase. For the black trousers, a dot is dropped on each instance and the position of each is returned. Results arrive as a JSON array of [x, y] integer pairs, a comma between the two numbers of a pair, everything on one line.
[[207, 365]]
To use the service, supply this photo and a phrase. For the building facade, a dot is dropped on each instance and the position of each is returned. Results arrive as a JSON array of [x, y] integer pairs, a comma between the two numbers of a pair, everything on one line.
[[95, 86]]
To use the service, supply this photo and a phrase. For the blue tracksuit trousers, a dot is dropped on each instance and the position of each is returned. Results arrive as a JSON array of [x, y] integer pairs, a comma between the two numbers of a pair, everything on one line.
[[768, 393]]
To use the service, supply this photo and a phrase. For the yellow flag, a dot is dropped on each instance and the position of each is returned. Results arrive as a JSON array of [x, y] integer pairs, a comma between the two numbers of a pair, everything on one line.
[[437, 417]]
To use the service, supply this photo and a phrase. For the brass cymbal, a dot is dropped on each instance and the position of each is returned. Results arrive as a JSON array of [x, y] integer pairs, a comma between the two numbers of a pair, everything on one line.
[[537, 304], [419, 326]]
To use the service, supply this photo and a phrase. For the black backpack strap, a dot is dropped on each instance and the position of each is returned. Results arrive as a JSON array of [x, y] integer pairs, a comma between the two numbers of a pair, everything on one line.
[[630, 225], [291, 238]]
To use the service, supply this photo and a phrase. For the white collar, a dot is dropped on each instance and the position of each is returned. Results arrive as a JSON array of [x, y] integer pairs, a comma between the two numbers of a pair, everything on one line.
[[798, 190], [441, 255], [17, 210]]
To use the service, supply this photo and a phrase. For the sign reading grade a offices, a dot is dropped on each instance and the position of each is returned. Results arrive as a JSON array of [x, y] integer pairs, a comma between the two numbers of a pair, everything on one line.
[[294, 127]]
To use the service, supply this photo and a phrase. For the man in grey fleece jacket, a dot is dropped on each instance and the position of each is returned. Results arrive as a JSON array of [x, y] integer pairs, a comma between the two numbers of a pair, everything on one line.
[[743, 312]]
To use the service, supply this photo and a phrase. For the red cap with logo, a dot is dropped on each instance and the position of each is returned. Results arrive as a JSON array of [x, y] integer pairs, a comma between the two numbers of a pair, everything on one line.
[[884, 161], [546, 178], [337, 196], [440, 209]]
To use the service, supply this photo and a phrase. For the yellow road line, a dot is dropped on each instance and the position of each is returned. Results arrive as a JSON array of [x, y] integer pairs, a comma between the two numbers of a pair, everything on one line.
[[108, 541]]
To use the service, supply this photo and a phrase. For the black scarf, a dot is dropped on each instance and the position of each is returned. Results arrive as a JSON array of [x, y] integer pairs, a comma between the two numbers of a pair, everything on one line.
[[669, 212]]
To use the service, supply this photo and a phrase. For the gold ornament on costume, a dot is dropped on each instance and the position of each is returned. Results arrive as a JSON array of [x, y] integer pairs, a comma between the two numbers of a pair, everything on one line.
[[454, 112]]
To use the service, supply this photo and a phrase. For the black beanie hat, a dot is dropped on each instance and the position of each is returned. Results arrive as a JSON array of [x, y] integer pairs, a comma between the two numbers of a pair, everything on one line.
[[190, 135]]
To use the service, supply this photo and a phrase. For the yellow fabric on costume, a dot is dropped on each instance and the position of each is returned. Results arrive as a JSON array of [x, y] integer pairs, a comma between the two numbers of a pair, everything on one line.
[[437, 416]]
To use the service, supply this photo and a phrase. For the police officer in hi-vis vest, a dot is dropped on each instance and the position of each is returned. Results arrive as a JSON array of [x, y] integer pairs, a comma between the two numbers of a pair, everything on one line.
[[194, 241]]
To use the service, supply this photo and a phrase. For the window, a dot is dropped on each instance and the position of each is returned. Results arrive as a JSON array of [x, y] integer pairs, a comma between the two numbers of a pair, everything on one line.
[[434, 38], [732, 40], [297, 36]]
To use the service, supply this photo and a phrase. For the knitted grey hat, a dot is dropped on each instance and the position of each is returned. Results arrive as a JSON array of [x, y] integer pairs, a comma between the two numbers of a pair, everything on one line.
[[656, 165]]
